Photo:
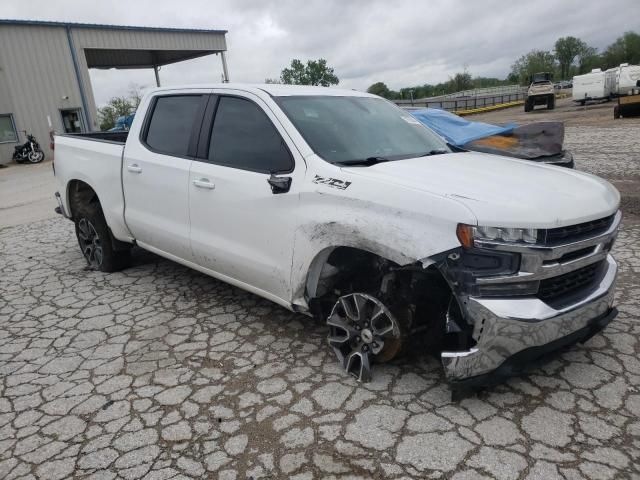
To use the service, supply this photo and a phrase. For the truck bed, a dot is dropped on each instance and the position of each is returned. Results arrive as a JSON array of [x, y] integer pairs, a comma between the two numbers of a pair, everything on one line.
[[113, 137], [95, 159]]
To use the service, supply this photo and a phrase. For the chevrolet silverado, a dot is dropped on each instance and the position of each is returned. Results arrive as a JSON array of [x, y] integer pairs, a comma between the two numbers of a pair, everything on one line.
[[338, 204]]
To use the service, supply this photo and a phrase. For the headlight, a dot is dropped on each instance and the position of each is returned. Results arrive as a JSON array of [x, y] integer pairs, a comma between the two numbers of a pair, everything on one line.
[[467, 234]]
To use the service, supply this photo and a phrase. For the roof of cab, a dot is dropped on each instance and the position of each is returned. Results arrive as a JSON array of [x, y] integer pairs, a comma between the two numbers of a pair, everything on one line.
[[273, 89]]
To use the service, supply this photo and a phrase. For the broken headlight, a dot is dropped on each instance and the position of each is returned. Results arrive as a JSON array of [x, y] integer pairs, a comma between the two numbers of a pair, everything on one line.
[[468, 234]]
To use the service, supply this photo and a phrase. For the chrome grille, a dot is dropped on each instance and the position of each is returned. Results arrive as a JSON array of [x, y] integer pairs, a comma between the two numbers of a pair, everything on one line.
[[578, 231], [552, 288]]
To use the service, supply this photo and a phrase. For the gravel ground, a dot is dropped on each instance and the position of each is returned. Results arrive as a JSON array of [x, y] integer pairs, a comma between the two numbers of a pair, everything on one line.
[[600, 144], [160, 372], [573, 115]]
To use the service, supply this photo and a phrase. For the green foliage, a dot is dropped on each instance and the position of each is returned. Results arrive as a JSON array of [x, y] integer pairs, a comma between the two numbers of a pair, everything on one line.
[[461, 81], [533, 62], [315, 72], [380, 89], [566, 50], [571, 56], [588, 59], [118, 107], [626, 49]]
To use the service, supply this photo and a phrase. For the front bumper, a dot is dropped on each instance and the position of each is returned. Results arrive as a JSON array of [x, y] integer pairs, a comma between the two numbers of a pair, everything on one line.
[[506, 327]]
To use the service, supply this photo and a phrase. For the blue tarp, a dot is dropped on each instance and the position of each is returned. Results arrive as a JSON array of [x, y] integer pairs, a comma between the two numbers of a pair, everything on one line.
[[456, 130]]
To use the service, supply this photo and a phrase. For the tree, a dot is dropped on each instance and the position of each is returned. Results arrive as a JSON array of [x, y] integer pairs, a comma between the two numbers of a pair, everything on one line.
[[460, 81], [272, 80], [119, 107], [588, 59], [381, 89], [533, 62], [315, 72], [567, 49], [626, 49]]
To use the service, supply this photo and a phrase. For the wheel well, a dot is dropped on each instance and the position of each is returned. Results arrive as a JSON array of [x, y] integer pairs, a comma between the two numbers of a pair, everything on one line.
[[79, 194], [423, 292]]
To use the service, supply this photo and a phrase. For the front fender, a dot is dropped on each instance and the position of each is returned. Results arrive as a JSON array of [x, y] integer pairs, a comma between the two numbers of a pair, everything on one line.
[[401, 235]]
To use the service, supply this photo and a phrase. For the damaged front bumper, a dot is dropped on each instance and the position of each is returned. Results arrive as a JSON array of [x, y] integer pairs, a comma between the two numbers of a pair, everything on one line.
[[512, 332]]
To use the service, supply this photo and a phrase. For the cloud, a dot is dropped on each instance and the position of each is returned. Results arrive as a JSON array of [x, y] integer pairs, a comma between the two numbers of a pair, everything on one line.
[[401, 43]]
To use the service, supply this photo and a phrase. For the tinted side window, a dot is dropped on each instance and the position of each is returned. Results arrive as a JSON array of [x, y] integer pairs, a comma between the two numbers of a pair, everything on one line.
[[171, 123], [244, 137]]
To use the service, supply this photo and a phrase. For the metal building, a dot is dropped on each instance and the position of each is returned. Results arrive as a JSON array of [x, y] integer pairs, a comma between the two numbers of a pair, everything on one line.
[[44, 70]]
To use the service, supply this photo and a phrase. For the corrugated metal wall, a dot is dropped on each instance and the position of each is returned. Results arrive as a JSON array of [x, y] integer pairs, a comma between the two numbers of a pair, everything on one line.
[[37, 71]]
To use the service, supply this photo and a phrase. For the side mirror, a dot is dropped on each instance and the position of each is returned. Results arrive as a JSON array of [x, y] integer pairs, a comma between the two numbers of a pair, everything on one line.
[[279, 184]]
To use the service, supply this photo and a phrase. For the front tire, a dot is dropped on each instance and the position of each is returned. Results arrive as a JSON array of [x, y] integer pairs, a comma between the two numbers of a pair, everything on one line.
[[96, 242], [362, 330]]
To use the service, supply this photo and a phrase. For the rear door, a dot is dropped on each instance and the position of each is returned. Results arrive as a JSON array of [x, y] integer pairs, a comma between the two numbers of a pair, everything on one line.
[[156, 168], [241, 228]]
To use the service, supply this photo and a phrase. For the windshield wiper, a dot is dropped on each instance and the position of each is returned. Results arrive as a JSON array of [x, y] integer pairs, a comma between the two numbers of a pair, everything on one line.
[[434, 152], [367, 162]]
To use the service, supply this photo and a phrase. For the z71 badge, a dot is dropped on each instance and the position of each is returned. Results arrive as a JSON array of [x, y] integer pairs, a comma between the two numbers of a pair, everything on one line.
[[331, 182]]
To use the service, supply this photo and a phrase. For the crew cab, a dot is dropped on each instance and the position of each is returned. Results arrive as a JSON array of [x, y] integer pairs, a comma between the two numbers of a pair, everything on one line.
[[338, 204]]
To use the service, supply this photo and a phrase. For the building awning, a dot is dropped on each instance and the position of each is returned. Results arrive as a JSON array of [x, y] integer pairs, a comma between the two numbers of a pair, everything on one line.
[[105, 58]]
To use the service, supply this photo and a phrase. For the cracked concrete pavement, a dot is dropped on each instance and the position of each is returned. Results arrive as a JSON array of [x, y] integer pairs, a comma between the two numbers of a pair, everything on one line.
[[160, 372]]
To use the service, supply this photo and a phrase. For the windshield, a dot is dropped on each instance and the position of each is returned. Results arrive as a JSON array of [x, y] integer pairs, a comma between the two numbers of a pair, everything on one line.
[[349, 130]]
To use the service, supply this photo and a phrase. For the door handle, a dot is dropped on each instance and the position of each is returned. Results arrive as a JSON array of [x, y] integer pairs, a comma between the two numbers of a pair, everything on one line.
[[204, 183], [134, 168]]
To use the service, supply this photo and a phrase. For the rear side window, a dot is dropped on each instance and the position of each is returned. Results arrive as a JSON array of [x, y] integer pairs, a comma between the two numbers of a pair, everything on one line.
[[244, 137], [171, 123]]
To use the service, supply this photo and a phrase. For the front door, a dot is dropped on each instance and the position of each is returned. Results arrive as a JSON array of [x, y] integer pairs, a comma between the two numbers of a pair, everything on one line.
[[240, 228], [155, 173], [72, 120]]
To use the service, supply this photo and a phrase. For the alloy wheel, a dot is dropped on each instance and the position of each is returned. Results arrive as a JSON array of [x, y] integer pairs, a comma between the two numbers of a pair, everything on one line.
[[362, 329], [90, 243]]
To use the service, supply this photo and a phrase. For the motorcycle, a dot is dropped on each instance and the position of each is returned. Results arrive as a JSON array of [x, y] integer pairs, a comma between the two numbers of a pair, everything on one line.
[[29, 152]]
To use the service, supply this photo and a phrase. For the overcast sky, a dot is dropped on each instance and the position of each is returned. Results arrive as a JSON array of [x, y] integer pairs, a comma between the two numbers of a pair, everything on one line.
[[401, 43]]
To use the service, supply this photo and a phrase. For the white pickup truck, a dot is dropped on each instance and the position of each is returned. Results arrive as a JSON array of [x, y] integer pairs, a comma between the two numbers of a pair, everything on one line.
[[338, 204]]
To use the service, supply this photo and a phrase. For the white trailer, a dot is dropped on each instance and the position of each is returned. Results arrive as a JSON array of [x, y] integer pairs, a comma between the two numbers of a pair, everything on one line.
[[621, 80], [611, 77], [590, 86]]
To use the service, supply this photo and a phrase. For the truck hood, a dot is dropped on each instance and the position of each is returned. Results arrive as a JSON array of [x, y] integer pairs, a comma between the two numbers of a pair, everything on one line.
[[501, 191]]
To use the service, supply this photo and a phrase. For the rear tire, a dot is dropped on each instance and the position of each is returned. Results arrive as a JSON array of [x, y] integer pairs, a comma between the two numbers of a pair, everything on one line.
[[96, 242], [527, 105], [551, 103], [616, 112], [36, 157]]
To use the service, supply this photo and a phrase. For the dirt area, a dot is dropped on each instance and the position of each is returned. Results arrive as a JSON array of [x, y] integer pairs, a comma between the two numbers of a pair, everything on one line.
[[572, 114], [26, 193], [160, 372], [600, 144]]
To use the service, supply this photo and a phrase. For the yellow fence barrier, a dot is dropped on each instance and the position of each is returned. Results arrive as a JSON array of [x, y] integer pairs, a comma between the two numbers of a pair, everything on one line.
[[498, 106]]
